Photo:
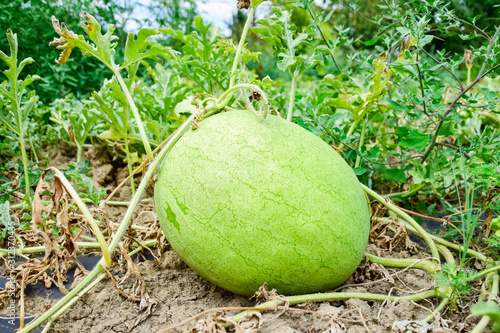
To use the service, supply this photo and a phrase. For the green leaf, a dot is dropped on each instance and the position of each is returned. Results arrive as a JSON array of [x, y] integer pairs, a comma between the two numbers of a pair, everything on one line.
[[18, 109], [490, 309], [412, 138], [403, 31], [398, 106], [286, 60], [278, 29], [112, 134], [359, 171], [29, 79], [371, 42], [447, 127], [204, 28], [103, 49], [425, 40], [5, 219], [186, 106], [135, 49], [256, 3], [495, 224], [396, 175]]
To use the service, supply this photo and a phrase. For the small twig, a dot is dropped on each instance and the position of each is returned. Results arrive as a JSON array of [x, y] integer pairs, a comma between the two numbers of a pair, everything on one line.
[[421, 306], [363, 320], [446, 68], [446, 222], [446, 13], [440, 307], [383, 303], [450, 145], [490, 70]]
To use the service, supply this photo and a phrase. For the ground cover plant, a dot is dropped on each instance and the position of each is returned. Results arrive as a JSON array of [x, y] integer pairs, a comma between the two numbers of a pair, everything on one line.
[[418, 124]]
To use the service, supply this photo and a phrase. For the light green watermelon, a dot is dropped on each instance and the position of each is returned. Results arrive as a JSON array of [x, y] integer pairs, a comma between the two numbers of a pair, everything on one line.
[[245, 201]]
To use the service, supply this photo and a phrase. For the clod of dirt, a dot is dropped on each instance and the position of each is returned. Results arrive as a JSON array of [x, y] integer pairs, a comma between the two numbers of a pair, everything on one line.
[[102, 174], [328, 309], [97, 156], [171, 260]]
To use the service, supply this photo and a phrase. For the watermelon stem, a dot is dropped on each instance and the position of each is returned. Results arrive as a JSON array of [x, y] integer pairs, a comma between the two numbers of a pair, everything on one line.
[[292, 98], [408, 218], [221, 103], [335, 296], [241, 45], [428, 266], [437, 239], [361, 143]]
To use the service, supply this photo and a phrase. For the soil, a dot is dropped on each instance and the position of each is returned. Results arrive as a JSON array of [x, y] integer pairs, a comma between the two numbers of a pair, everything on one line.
[[180, 293]]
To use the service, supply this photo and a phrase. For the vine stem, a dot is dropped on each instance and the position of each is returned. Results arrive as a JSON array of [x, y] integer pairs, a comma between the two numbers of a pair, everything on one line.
[[486, 319], [448, 256], [335, 296], [349, 133], [73, 301], [82, 245], [129, 164], [405, 194], [224, 99], [444, 302], [25, 164], [21, 141], [361, 142], [408, 218], [119, 233], [428, 266], [137, 117], [437, 239], [243, 37], [227, 94], [489, 270], [78, 153], [292, 98]]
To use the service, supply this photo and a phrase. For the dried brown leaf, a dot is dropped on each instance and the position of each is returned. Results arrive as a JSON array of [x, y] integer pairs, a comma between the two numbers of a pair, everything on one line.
[[243, 4]]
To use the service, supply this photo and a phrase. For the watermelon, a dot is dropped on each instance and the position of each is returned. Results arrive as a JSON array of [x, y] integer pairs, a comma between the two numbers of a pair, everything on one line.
[[246, 201]]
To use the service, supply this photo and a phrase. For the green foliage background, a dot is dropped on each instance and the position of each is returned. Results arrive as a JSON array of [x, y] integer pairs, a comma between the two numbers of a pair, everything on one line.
[[31, 20]]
